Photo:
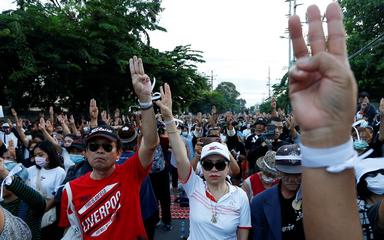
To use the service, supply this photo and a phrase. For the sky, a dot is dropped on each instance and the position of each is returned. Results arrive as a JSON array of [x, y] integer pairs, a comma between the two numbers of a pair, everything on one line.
[[241, 40]]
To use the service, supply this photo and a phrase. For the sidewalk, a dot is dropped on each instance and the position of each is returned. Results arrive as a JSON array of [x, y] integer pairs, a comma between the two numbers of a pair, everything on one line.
[[174, 234]]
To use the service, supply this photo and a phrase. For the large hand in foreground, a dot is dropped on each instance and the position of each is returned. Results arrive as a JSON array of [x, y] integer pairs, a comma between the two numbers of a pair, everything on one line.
[[140, 81], [322, 87], [165, 104]]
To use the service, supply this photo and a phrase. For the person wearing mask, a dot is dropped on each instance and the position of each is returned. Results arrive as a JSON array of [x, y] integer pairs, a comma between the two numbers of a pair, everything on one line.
[[370, 192], [112, 191], [268, 141], [19, 199], [218, 210], [264, 179], [7, 135], [148, 202], [272, 211], [322, 91], [46, 177]]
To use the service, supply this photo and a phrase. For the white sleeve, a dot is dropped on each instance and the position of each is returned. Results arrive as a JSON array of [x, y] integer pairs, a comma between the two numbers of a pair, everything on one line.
[[59, 178], [245, 210], [192, 183]]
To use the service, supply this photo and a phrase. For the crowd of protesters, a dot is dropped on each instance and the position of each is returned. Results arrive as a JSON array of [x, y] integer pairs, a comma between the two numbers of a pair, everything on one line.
[[273, 175]]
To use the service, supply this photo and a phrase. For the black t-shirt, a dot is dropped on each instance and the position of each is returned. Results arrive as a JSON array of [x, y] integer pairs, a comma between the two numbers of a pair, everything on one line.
[[291, 220], [373, 216]]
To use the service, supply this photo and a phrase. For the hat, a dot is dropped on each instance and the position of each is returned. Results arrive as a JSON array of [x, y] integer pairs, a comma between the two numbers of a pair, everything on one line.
[[5, 125], [364, 94], [260, 120], [367, 165], [103, 131], [215, 148], [267, 162], [127, 134], [288, 159]]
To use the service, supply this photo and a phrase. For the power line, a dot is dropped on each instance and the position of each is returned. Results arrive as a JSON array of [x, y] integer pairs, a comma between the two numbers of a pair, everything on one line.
[[370, 45]]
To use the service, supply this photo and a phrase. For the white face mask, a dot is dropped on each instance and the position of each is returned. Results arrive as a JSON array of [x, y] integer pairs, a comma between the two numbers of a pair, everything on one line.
[[267, 180], [41, 161], [376, 184], [197, 133]]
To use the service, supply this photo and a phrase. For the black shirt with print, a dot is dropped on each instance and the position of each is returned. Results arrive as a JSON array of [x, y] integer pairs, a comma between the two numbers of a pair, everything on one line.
[[291, 220]]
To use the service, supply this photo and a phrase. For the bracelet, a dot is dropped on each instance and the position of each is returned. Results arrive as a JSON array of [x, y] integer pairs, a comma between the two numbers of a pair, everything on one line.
[[171, 131], [145, 105], [9, 179], [169, 122], [334, 159]]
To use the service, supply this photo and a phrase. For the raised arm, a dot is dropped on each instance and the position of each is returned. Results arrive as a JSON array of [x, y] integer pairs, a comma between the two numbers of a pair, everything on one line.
[[143, 89], [178, 146], [93, 113], [63, 122], [19, 128], [322, 90], [43, 128]]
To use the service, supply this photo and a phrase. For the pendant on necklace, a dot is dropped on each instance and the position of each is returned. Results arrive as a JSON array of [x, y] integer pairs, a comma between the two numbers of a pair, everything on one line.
[[214, 219], [296, 204]]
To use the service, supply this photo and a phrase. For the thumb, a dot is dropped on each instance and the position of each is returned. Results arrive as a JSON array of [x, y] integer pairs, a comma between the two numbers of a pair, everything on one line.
[[322, 62]]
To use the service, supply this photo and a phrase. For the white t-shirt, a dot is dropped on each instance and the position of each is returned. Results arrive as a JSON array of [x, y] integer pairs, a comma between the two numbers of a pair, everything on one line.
[[232, 211], [51, 179], [7, 137]]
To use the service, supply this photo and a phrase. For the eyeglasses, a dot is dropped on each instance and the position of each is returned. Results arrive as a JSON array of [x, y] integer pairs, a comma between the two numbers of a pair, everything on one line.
[[219, 165], [93, 147]]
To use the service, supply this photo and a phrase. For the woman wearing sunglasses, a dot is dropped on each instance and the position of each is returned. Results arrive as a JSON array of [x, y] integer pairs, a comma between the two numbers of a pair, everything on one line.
[[218, 210]]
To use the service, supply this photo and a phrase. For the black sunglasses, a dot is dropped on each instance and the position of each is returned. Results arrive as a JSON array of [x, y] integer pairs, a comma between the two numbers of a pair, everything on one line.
[[94, 146], [219, 165]]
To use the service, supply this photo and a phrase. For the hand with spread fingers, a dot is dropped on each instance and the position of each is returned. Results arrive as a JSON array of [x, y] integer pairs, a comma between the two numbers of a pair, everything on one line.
[[165, 104], [322, 87], [140, 81]]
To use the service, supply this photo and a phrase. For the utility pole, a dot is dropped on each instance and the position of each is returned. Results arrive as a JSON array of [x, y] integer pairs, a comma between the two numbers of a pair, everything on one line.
[[211, 78], [269, 82], [292, 7]]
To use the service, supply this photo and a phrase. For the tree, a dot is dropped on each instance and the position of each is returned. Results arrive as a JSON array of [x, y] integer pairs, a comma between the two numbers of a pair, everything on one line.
[[364, 23], [66, 52]]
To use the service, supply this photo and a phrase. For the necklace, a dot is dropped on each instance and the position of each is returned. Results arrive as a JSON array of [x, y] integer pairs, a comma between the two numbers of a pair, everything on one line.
[[214, 209]]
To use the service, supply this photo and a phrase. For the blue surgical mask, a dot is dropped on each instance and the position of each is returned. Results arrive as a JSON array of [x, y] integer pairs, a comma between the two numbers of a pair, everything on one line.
[[360, 144], [76, 158], [185, 134]]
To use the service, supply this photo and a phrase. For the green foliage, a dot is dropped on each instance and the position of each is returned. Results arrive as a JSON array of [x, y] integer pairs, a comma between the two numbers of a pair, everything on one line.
[[224, 97], [364, 22], [66, 52]]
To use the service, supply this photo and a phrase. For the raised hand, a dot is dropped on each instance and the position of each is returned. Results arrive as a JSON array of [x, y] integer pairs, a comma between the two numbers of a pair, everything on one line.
[[322, 87], [72, 120], [140, 81], [93, 110], [14, 113], [51, 112], [165, 104], [41, 125]]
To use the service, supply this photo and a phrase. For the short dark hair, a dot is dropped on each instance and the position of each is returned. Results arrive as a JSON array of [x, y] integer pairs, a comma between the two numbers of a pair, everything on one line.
[[55, 159], [276, 119]]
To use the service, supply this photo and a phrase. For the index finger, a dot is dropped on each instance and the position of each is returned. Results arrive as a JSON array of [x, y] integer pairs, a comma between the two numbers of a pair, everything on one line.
[[296, 34]]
